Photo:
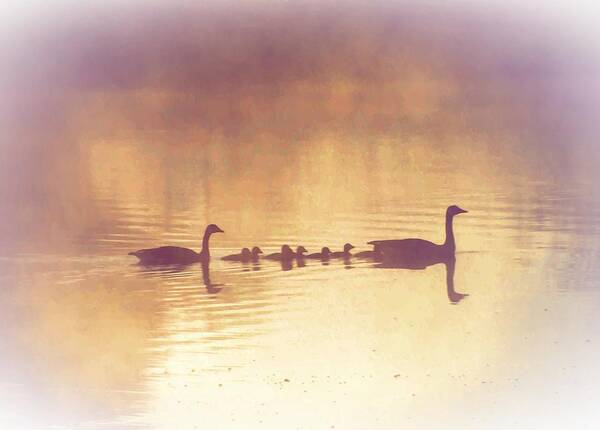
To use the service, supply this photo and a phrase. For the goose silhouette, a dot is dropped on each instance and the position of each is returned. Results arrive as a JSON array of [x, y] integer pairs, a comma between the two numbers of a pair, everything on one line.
[[345, 253], [245, 255], [419, 252], [176, 254], [323, 255]]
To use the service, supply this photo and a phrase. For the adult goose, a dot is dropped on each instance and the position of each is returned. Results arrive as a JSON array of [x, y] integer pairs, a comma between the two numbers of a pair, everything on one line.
[[345, 253], [419, 251], [323, 255], [176, 254], [286, 254]]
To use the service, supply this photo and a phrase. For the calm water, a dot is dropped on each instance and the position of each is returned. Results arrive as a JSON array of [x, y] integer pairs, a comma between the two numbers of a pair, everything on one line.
[[92, 340]]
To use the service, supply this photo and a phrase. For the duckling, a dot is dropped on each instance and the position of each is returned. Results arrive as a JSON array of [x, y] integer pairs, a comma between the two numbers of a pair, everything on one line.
[[177, 254], [345, 253], [323, 255], [300, 252], [286, 254], [245, 256], [255, 253]]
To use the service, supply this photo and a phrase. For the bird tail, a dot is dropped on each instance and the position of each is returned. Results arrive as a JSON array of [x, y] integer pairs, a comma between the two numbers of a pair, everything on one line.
[[133, 253]]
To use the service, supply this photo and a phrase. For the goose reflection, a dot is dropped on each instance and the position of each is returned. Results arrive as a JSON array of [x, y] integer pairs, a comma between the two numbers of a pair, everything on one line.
[[211, 287], [449, 262]]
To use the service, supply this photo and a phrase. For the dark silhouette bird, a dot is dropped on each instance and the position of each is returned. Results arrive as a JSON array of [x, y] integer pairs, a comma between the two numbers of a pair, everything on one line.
[[300, 252], [323, 255], [256, 251], [245, 256], [176, 254], [286, 254], [419, 252], [345, 253]]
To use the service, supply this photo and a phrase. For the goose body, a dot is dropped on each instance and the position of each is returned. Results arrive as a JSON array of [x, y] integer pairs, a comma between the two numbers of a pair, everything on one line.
[[418, 251], [176, 254], [323, 255], [343, 254]]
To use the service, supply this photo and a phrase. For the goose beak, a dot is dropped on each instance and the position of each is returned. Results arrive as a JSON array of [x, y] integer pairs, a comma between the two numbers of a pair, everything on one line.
[[462, 211], [219, 230]]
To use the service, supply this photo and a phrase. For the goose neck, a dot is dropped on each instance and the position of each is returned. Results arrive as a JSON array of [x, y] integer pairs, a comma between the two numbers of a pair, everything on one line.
[[205, 250], [449, 243]]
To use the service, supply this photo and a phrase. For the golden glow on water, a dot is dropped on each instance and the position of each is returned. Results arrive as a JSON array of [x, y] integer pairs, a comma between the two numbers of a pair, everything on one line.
[[370, 140]]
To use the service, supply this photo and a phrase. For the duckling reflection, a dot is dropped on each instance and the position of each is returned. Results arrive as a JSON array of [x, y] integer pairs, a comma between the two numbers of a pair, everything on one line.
[[211, 288], [286, 265], [449, 262], [348, 262]]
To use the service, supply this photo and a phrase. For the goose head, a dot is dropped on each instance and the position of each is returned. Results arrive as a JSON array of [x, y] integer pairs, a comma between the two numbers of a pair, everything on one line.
[[213, 228], [454, 210], [255, 251], [300, 250], [325, 251], [347, 248]]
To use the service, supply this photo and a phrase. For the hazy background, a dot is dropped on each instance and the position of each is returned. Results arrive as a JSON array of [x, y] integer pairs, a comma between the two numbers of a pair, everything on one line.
[[253, 74]]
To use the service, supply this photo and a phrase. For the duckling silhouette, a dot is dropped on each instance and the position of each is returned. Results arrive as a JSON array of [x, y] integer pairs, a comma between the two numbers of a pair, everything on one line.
[[345, 253], [256, 251], [176, 254], [419, 252], [286, 254], [245, 256], [323, 255], [300, 252]]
